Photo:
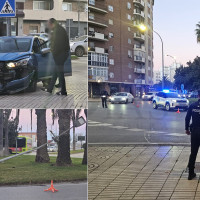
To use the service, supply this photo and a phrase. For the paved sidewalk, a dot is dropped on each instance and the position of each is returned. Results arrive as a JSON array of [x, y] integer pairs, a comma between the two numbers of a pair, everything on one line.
[[76, 87], [140, 172]]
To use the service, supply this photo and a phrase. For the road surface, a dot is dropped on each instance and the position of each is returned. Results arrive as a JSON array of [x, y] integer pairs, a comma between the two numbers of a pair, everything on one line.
[[135, 123]]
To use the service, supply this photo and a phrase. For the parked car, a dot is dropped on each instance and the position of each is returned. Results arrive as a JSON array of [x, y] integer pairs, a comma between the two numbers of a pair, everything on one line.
[[122, 97], [170, 100], [52, 148], [79, 46], [24, 61], [149, 96]]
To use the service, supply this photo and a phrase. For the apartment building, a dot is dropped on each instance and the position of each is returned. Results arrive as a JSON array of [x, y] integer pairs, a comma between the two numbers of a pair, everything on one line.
[[120, 55], [37, 12], [16, 22]]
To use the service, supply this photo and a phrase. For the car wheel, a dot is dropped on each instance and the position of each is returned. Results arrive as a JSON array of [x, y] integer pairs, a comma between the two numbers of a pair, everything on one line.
[[112, 102], [10, 151], [167, 107], [33, 85], [79, 51], [155, 105], [126, 101], [132, 100]]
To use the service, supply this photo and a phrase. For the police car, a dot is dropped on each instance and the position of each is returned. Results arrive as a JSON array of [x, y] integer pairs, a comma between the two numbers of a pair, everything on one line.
[[169, 100]]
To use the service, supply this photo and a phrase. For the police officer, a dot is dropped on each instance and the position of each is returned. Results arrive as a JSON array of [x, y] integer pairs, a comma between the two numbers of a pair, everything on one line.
[[104, 95], [194, 131]]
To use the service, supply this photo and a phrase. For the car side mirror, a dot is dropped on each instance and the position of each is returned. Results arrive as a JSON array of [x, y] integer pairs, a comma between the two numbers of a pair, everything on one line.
[[45, 51]]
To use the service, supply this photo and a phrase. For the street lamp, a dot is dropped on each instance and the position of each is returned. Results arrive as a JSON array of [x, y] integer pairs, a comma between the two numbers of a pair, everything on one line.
[[143, 28], [174, 57]]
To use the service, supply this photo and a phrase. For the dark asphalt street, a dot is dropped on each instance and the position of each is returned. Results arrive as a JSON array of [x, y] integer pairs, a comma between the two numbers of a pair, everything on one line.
[[135, 123]]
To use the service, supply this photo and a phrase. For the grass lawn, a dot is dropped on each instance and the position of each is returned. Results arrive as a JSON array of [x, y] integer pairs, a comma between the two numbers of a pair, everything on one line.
[[73, 57], [24, 170]]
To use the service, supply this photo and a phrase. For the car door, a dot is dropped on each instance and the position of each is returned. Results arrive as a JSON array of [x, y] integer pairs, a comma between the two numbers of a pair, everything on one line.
[[45, 60]]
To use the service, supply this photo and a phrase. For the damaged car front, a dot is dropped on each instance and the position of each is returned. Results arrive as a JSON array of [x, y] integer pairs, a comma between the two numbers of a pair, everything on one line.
[[18, 69]]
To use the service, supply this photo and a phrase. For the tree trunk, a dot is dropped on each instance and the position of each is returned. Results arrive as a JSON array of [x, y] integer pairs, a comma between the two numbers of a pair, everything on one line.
[[6, 118], [74, 132], [84, 161], [63, 157], [1, 132], [42, 155]]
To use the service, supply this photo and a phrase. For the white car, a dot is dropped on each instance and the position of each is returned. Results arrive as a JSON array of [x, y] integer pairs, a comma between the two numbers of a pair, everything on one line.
[[52, 149], [122, 97], [149, 96], [79, 46], [170, 100]]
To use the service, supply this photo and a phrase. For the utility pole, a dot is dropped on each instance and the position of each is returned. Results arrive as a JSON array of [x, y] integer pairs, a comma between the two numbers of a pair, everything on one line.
[[8, 27], [78, 18]]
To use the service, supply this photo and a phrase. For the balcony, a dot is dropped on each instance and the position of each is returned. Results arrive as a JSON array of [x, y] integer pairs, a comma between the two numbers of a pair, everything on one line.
[[139, 37], [97, 36], [139, 81], [97, 7], [139, 2], [139, 48], [96, 50], [97, 22], [139, 70], [139, 59], [138, 12]]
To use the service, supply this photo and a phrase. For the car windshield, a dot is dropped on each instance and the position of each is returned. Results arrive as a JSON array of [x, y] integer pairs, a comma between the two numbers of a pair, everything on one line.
[[82, 38], [121, 94], [10, 45], [172, 95], [149, 93]]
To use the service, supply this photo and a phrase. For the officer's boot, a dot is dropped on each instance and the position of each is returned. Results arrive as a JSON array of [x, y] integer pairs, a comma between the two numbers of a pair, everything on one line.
[[191, 174]]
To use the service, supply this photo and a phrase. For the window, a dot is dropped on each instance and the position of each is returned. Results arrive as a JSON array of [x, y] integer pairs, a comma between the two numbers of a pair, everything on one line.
[[129, 41], [128, 17], [97, 59], [111, 35], [92, 2], [128, 5], [129, 53], [40, 5], [110, 21], [111, 62], [91, 16], [129, 28], [111, 48], [67, 6], [130, 76], [130, 65], [33, 29], [110, 8]]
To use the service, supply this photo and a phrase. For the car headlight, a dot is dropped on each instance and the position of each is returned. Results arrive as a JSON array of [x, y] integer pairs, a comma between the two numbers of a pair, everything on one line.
[[187, 101], [22, 63], [174, 101], [112, 98]]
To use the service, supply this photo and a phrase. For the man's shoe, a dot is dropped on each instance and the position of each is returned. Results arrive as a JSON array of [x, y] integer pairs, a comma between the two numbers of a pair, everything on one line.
[[46, 90], [58, 86], [191, 176], [61, 93]]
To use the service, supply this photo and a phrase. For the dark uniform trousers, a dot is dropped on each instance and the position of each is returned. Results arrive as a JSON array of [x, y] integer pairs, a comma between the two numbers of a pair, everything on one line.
[[104, 102], [195, 143]]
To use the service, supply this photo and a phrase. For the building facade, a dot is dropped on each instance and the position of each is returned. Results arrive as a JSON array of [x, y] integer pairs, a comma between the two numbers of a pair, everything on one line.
[[38, 12], [120, 55], [16, 22]]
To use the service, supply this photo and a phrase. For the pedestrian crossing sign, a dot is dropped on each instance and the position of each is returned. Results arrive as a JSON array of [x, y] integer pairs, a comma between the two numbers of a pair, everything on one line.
[[7, 8]]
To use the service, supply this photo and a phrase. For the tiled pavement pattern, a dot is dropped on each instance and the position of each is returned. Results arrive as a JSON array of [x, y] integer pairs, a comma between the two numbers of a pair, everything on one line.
[[76, 88], [140, 173]]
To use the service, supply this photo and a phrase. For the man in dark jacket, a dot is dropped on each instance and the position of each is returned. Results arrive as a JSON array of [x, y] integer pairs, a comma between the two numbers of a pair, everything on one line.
[[60, 50], [104, 95], [194, 131]]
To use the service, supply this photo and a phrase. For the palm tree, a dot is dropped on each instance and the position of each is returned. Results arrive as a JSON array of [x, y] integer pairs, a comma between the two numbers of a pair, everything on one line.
[[84, 161], [1, 132], [197, 30], [75, 116], [42, 155], [64, 119], [7, 113]]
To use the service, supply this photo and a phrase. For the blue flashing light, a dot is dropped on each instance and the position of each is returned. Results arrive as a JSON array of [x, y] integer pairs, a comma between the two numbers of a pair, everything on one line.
[[166, 91]]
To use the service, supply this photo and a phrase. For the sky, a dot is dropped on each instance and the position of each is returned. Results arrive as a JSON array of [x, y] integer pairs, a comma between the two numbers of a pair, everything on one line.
[[175, 21], [25, 122]]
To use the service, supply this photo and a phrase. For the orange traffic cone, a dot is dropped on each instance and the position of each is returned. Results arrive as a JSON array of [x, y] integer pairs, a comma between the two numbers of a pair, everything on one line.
[[137, 105], [51, 188], [178, 111]]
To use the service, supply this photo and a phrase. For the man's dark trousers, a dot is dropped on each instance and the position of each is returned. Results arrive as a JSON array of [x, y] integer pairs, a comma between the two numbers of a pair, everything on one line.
[[104, 102], [195, 143], [58, 73]]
